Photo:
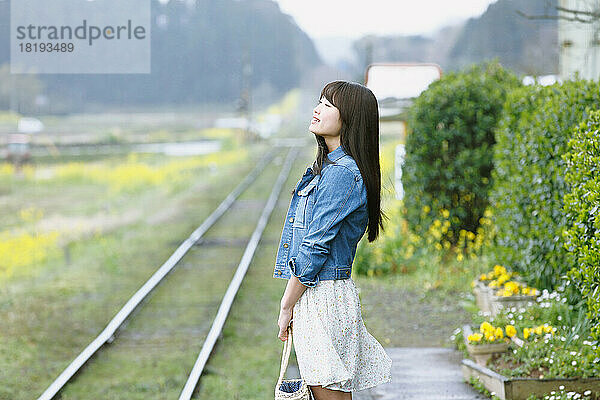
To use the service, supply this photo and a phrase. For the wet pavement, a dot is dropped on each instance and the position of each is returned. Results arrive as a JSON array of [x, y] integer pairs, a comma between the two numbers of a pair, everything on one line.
[[418, 373], [423, 373]]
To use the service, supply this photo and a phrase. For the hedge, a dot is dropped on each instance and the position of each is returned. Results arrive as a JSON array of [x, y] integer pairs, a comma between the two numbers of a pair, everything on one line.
[[528, 176], [449, 149], [582, 207]]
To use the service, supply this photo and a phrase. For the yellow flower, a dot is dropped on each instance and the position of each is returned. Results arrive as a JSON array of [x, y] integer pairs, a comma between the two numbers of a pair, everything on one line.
[[503, 278], [499, 334], [511, 287], [474, 337], [485, 327], [526, 332], [538, 330], [510, 330], [483, 277], [547, 328], [426, 209], [499, 270], [445, 213]]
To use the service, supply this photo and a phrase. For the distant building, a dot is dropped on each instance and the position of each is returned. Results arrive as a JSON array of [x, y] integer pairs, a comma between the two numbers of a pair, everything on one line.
[[579, 41], [396, 85]]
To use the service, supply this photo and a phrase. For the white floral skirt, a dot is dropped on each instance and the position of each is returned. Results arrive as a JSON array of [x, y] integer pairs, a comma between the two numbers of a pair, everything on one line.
[[332, 345]]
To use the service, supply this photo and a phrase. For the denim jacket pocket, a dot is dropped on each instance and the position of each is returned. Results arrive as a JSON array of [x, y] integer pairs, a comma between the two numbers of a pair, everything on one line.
[[304, 206]]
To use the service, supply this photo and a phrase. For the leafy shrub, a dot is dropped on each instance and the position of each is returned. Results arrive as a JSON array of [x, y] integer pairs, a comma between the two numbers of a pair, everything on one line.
[[449, 149], [528, 177], [582, 207], [396, 251]]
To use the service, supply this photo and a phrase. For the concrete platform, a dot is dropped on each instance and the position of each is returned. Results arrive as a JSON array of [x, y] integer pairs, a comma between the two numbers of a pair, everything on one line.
[[418, 373], [428, 373]]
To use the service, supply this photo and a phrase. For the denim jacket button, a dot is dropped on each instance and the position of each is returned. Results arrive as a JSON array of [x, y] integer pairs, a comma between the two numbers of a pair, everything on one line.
[[291, 219], [278, 272], [285, 245], [347, 272]]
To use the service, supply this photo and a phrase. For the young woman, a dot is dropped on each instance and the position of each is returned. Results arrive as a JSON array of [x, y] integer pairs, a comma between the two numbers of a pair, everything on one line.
[[332, 206]]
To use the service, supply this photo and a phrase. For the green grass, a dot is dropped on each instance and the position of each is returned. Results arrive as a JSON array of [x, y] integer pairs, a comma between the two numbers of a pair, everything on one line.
[[50, 316]]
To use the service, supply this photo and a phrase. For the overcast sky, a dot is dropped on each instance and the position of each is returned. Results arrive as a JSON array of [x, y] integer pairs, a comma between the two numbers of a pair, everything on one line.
[[353, 19]]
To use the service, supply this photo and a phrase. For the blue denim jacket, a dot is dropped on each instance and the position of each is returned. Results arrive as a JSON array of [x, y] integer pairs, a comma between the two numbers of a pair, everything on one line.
[[326, 219]]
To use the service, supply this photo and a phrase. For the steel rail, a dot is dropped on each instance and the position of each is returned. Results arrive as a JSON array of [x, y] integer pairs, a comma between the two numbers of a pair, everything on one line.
[[107, 335], [236, 281]]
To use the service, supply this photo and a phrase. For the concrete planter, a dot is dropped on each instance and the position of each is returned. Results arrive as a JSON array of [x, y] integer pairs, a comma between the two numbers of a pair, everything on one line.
[[521, 388], [497, 303], [481, 353], [483, 296]]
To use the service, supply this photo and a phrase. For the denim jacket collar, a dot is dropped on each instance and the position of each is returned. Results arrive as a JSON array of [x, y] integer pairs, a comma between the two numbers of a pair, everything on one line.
[[336, 154]]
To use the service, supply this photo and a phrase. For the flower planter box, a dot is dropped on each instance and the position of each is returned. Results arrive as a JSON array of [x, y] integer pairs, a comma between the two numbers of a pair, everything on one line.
[[497, 303], [483, 295], [482, 352], [521, 388]]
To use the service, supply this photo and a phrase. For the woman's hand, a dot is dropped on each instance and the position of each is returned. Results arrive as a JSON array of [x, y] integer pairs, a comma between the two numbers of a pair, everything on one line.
[[285, 318]]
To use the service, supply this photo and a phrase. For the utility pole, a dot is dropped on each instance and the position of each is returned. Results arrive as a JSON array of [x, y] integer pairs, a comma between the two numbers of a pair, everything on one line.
[[246, 96]]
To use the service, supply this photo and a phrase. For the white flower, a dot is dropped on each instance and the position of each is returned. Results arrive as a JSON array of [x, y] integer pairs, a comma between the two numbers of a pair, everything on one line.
[[561, 387], [587, 392], [574, 363]]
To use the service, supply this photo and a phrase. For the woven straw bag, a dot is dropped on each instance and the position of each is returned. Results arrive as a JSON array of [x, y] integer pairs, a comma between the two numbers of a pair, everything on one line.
[[290, 389]]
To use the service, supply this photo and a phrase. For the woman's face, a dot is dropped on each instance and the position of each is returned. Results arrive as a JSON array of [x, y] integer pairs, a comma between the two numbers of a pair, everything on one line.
[[326, 119]]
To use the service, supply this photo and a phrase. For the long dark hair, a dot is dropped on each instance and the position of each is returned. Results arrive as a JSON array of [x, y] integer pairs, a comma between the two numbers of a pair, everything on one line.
[[359, 137]]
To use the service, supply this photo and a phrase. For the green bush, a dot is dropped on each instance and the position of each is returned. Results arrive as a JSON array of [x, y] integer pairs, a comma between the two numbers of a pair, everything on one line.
[[449, 148], [528, 177], [582, 207]]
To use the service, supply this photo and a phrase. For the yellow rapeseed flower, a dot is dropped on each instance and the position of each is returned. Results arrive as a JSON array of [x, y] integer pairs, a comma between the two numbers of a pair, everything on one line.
[[526, 332], [538, 330]]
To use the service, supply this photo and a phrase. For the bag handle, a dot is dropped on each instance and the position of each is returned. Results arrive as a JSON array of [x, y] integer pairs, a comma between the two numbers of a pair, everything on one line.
[[287, 348]]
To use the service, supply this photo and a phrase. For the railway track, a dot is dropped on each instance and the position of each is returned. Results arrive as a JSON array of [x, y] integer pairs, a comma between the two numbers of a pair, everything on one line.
[[187, 299]]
